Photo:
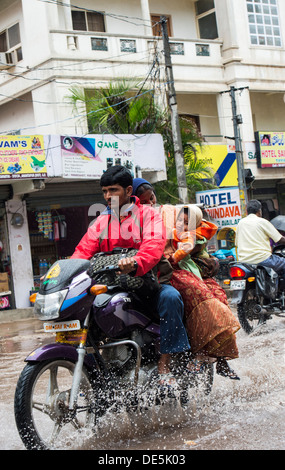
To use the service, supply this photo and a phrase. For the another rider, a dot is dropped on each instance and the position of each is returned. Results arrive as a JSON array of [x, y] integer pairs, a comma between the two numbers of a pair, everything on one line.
[[253, 237], [127, 224]]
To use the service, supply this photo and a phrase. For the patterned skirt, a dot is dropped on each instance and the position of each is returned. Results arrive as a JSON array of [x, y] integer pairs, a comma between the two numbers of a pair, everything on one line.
[[210, 324]]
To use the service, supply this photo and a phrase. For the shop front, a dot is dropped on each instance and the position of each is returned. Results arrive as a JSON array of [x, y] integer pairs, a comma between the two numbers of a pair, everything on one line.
[[58, 217], [6, 299], [53, 186]]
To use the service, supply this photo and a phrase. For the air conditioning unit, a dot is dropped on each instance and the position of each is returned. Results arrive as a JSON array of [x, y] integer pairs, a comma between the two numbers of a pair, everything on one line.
[[6, 60]]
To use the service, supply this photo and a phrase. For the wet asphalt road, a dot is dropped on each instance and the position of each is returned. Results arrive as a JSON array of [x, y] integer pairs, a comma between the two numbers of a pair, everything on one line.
[[238, 415]]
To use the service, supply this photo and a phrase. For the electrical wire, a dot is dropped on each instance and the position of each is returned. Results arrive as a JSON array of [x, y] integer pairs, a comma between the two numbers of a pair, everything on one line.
[[125, 18], [20, 75], [154, 76], [71, 118], [61, 67]]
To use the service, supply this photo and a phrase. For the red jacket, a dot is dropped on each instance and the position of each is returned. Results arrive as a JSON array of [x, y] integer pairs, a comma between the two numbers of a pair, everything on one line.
[[141, 227]]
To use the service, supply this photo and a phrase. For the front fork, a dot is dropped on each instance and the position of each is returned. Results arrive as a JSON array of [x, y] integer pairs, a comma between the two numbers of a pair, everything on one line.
[[81, 350]]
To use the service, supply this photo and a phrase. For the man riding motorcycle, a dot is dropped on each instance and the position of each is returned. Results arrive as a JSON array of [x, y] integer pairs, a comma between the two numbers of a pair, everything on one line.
[[127, 224], [253, 237]]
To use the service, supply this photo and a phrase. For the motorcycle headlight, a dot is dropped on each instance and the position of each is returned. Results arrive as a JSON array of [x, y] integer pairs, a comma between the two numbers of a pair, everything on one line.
[[47, 306]]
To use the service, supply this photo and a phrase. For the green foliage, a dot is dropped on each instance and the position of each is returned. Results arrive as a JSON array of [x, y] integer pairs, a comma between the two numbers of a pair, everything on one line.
[[198, 177], [125, 107], [122, 108]]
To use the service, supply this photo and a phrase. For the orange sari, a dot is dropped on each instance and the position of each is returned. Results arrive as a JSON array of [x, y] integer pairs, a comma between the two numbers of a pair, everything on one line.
[[210, 324]]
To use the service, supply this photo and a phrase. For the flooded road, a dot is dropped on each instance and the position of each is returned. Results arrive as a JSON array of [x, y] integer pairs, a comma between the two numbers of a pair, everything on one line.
[[238, 415]]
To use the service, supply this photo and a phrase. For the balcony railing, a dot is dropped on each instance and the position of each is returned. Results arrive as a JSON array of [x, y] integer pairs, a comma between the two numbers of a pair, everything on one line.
[[118, 47]]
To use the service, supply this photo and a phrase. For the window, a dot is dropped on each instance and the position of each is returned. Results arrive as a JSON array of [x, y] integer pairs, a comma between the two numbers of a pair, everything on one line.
[[156, 25], [202, 50], [88, 21], [99, 44], [128, 45], [194, 120], [10, 43], [206, 18], [263, 22]]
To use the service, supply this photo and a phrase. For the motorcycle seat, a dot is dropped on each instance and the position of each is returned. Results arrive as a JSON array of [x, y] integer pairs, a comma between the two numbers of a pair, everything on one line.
[[249, 266]]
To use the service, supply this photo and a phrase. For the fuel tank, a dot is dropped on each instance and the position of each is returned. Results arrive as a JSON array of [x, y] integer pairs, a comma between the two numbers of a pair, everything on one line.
[[117, 314]]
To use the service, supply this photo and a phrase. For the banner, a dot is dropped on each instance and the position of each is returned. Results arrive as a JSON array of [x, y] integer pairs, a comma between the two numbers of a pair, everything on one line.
[[22, 157], [270, 149], [222, 160], [88, 157], [226, 209]]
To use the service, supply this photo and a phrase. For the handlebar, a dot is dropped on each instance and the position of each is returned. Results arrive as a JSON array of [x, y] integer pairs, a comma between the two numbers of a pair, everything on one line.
[[112, 269], [108, 269]]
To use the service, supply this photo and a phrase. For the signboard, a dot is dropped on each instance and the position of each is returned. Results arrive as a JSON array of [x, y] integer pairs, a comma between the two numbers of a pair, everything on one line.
[[22, 157], [222, 160], [250, 152], [89, 157], [226, 210], [270, 148]]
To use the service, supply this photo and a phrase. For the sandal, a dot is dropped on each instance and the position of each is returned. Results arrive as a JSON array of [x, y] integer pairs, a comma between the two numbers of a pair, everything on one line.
[[167, 380], [167, 387], [195, 366], [223, 369]]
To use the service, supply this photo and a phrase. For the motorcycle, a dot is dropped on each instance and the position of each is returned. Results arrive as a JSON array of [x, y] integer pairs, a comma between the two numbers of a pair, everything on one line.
[[257, 291], [104, 358]]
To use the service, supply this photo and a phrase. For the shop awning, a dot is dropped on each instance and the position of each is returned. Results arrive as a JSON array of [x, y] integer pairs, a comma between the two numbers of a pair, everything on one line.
[[66, 194]]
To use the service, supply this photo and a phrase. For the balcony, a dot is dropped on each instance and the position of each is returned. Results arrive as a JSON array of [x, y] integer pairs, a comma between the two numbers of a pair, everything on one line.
[[116, 51], [86, 56]]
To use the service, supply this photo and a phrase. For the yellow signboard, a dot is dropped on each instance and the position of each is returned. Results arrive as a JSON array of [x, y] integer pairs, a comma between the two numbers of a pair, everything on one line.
[[22, 157], [270, 147], [222, 160]]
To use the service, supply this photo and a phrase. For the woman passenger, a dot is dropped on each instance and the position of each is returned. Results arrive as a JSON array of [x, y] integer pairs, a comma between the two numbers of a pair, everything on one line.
[[210, 324]]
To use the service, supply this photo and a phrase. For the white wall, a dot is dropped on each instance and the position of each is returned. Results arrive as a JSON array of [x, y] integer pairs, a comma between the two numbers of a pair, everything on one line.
[[205, 106], [268, 111], [17, 115]]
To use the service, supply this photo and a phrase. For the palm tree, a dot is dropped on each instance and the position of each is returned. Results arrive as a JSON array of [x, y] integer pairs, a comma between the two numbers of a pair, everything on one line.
[[126, 107]]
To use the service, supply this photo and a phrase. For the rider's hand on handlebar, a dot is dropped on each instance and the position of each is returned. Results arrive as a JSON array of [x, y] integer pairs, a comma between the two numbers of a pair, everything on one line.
[[127, 265]]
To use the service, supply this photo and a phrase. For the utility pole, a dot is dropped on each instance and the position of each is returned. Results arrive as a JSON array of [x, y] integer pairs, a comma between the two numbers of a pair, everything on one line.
[[175, 125], [237, 120]]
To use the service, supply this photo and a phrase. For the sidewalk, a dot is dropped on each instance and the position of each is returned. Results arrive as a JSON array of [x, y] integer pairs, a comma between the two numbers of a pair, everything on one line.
[[16, 314]]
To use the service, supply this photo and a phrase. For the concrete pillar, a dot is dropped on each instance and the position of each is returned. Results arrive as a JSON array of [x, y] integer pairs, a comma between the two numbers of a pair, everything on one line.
[[244, 108], [20, 254], [225, 114], [146, 17], [224, 106], [68, 24]]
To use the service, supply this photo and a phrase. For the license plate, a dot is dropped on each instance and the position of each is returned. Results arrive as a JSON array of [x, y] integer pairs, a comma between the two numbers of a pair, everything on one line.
[[62, 326], [238, 285]]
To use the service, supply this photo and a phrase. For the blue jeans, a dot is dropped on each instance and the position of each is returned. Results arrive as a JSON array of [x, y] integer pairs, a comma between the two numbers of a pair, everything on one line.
[[170, 307], [275, 262]]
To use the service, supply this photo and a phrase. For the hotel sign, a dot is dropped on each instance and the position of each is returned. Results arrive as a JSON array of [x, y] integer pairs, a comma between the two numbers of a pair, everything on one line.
[[270, 149]]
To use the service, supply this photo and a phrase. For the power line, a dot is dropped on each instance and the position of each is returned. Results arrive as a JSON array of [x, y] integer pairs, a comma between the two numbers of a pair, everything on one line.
[[61, 67], [73, 117], [124, 18], [36, 69]]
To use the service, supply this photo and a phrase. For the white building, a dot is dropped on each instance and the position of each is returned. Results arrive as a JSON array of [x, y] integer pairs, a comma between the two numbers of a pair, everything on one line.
[[46, 47]]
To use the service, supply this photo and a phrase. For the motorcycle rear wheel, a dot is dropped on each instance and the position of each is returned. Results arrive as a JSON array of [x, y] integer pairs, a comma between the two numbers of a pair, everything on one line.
[[41, 406], [248, 319]]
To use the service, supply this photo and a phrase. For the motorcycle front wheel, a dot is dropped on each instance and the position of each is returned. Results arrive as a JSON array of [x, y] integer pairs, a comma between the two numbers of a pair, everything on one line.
[[41, 406]]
